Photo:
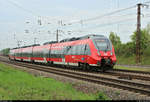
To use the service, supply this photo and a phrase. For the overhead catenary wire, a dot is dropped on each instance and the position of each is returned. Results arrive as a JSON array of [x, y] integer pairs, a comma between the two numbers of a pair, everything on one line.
[[113, 18], [108, 14], [146, 2], [20, 7], [101, 16], [110, 23], [35, 14], [106, 24], [84, 20], [90, 19]]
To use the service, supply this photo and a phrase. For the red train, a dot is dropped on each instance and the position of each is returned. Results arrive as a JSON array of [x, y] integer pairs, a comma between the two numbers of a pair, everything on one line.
[[84, 52]]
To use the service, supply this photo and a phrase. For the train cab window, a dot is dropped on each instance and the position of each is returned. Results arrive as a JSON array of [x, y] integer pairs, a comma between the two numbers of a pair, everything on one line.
[[102, 44]]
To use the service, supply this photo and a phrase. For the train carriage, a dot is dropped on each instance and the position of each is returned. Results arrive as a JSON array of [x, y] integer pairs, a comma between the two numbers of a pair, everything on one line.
[[27, 53], [12, 54], [86, 51], [18, 54]]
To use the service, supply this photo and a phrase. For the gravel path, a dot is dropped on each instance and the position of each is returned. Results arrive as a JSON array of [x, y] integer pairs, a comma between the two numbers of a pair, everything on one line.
[[87, 87]]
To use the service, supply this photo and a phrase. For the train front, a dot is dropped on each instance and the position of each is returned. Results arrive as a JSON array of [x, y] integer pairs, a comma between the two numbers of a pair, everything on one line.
[[105, 53]]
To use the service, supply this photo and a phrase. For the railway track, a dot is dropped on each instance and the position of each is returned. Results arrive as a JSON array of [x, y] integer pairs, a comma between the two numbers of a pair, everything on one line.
[[117, 83], [115, 70], [134, 66], [122, 74], [128, 76], [131, 71]]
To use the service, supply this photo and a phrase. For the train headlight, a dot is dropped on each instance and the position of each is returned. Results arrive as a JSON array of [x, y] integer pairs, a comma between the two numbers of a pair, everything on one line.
[[99, 53], [111, 53]]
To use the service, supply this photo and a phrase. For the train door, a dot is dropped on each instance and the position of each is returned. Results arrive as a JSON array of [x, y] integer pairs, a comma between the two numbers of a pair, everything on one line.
[[50, 54], [45, 52], [64, 51], [85, 53], [68, 53], [31, 56]]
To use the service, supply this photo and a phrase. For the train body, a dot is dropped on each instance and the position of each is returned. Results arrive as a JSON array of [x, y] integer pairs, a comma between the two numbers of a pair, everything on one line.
[[86, 51]]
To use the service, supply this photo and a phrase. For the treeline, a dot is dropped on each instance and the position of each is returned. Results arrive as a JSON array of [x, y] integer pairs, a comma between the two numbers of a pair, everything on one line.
[[5, 52], [128, 50]]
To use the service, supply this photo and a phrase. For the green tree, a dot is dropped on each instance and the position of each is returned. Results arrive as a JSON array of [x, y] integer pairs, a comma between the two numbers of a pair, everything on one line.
[[116, 42], [144, 39], [148, 32], [5, 52], [114, 38]]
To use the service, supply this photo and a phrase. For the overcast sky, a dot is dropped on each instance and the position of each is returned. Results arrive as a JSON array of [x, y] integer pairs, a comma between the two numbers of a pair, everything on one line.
[[17, 16]]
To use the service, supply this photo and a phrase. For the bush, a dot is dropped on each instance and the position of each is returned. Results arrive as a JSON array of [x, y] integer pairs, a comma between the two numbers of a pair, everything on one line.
[[102, 96]]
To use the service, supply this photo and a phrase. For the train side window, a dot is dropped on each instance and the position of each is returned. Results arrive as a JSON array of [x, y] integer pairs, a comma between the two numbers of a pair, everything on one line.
[[73, 51], [35, 54], [47, 53], [87, 50], [78, 50], [59, 53], [41, 53], [69, 50], [82, 49], [52, 53], [55, 53]]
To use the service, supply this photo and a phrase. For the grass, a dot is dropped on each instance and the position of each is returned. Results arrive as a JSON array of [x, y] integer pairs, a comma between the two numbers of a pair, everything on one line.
[[117, 93], [131, 60], [19, 85], [130, 68]]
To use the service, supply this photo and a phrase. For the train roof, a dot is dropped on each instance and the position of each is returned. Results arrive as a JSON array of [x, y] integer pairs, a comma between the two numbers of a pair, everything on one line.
[[51, 42], [26, 46], [81, 38], [65, 40], [74, 39]]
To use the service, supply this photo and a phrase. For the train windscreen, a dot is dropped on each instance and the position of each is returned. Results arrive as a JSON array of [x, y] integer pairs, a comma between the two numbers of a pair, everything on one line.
[[102, 44]]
